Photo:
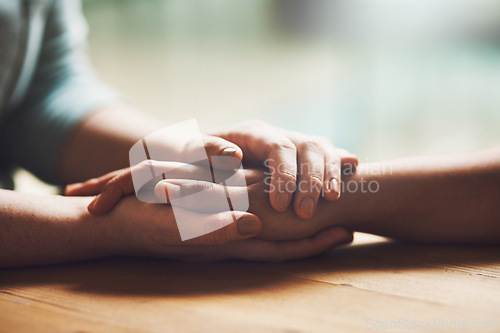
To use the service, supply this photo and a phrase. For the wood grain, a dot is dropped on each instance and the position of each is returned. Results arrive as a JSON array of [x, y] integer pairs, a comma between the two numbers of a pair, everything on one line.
[[351, 289]]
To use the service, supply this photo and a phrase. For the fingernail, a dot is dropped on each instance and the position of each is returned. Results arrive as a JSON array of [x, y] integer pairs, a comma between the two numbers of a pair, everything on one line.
[[248, 226], [160, 192], [282, 200], [227, 155], [91, 205], [229, 151], [307, 205]]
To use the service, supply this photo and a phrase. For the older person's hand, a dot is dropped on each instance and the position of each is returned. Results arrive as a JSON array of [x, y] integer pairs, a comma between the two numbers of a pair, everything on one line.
[[302, 166]]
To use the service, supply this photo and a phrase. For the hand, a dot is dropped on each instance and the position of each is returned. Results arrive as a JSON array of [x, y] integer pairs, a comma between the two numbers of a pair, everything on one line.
[[276, 226], [289, 155], [148, 229], [119, 183], [111, 187]]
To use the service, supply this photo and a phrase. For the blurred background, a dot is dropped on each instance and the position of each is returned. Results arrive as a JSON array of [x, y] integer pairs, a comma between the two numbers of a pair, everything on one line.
[[384, 78]]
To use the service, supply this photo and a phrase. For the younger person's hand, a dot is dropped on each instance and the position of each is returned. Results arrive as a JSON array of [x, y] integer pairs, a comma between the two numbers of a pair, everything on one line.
[[276, 226], [141, 229], [110, 188]]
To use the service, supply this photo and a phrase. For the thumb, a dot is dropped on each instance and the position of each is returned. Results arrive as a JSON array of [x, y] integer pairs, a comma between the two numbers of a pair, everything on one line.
[[217, 229], [223, 154]]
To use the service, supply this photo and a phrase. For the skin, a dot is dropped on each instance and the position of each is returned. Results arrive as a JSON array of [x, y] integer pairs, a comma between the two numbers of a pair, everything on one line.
[[291, 158], [36, 230], [101, 145], [40, 230], [444, 199], [439, 199]]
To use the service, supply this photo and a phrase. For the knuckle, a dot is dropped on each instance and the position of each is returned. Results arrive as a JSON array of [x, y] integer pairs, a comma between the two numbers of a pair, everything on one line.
[[195, 187], [209, 239], [333, 169], [220, 236], [288, 175], [111, 184], [316, 180], [283, 144], [313, 145], [144, 165], [215, 233], [212, 142], [324, 141], [310, 184]]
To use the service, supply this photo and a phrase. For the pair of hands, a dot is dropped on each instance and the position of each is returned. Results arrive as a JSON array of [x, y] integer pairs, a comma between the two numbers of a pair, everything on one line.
[[292, 158]]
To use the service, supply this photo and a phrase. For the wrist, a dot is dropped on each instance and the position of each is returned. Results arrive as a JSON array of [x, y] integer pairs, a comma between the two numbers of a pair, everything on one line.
[[102, 233], [360, 200]]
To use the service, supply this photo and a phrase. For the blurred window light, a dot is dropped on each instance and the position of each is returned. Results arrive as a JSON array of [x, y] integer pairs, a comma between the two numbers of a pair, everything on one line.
[[384, 78]]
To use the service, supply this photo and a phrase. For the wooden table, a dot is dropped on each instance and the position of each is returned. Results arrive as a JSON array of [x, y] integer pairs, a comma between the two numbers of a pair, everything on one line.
[[372, 285]]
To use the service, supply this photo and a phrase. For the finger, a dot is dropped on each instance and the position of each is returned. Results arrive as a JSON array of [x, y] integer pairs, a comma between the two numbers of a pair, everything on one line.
[[142, 178], [146, 174], [220, 228], [116, 188], [259, 250], [265, 144], [200, 196], [333, 173], [223, 154], [89, 187], [282, 160], [311, 162], [347, 158]]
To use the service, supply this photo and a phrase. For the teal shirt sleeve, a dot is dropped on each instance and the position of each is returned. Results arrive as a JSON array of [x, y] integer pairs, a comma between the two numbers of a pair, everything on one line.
[[64, 89]]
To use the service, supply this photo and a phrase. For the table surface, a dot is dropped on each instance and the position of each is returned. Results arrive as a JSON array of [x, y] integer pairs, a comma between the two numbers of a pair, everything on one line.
[[372, 285]]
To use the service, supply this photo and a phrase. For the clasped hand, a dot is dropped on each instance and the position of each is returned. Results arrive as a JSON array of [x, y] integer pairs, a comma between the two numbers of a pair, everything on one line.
[[268, 231]]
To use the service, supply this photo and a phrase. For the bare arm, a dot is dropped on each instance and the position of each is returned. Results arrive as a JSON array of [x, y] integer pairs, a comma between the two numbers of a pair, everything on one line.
[[49, 229], [102, 142], [440, 199], [40, 230], [443, 199]]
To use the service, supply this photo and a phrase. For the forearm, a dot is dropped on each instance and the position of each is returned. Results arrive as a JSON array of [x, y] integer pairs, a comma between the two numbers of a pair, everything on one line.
[[36, 230], [446, 199], [102, 141]]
